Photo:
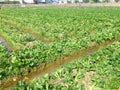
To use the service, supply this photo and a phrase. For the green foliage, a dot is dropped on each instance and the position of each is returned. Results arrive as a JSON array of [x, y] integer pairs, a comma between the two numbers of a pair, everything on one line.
[[105, 67], [70, 29]]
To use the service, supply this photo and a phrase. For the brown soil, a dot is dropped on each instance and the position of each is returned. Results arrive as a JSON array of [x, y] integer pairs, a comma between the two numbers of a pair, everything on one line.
[[31, 44], [91, 31], [47, 68], [58, 82], [87, 80], [119, 88]]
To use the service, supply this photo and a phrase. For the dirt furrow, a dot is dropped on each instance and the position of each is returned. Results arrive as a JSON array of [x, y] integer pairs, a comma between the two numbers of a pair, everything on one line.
[[47, 68], [27, 30]]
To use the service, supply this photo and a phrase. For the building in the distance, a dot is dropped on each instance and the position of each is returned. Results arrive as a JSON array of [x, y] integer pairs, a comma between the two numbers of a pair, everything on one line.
[[56, 1]]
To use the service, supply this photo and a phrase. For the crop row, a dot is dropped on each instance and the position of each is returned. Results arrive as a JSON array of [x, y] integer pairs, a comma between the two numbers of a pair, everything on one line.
[[17, 37], [104, 33], [55, 23], [4, 38], [28, 30], [98, 71], [39, 34], [48, 66], [3, 54], [86, 30], [21, 62]]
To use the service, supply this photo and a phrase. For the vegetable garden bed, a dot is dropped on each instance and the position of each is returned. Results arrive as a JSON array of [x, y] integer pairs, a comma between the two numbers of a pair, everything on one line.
[[98, 71], [47, 68], [71, 30]]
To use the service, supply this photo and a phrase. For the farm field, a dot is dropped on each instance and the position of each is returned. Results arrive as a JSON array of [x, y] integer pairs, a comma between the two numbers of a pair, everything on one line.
[[39, 36], [98, 71]]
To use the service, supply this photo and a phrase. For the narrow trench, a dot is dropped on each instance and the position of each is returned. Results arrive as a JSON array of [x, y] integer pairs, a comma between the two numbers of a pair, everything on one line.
[[8, 48], [47, 68], [5, 42]]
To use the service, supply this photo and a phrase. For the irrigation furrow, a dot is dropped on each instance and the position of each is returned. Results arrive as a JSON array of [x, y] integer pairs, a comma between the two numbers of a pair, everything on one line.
[[5, 45], [47, 68], [4, 41], [27, 30]]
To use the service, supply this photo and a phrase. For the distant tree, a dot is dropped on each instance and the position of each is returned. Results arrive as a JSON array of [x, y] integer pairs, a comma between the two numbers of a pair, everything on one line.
[[68, 1], [105, 1], [95, 1], [76, 1], [91, 1], [6, 0], [116, 0], [86, 1]]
